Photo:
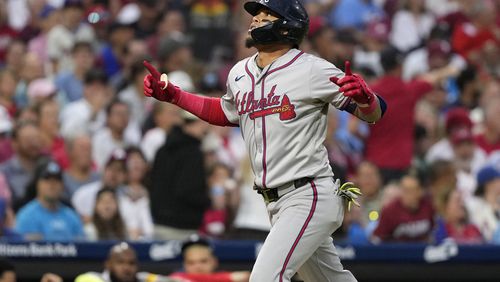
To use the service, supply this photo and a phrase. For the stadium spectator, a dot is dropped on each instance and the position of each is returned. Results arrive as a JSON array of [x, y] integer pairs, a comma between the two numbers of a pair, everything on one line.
[[172, 21], [71, 82], [7, 91], [122, 265], [369, 180], [454, 221], [179, 191], [140, 107], [484, 209], [106, 222], [32, 69], [80, 170], [113, 136], [200, 264], [19, 169], [150, 12], [62, 37], [164, 116], [14, 57], [48, 122], [471, 37], [88, 113], [174, 53], [441, 179], [375, 39], [411, 26], [112, 53], [47, 18], [224, 196], [7, 33], [113, 176], [46, 217], [458, 146], [134, 198], [410, 218]]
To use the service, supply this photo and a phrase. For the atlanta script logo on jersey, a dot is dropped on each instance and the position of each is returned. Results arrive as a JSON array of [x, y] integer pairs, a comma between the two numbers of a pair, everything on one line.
[[271, 104]]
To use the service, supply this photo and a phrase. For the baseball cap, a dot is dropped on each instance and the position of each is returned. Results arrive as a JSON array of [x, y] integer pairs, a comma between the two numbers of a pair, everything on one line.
[[378, 30], [41, 88], [461, 135], [487, 174], [51, 170], [46, 11], [457, 118]]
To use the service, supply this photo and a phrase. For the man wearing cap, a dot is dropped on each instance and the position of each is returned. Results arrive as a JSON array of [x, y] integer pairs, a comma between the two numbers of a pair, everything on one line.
[[45, 217], [458, 146]]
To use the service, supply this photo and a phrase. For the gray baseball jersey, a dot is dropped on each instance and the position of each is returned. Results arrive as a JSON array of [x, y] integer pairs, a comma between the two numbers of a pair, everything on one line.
[[282, 111]]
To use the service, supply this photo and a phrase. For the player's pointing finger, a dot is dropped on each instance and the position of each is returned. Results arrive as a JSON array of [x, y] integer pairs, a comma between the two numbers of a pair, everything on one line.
[[154, 72], [348, 68]]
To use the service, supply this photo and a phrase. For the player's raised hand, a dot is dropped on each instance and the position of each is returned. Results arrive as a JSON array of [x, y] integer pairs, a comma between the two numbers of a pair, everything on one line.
[[354, 86], [157, 85]]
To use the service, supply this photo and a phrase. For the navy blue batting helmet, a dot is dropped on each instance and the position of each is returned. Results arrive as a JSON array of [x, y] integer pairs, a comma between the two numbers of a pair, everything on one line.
[[291, 27]]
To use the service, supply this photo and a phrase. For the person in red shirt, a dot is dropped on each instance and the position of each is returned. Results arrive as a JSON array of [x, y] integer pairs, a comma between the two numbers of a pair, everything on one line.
[[410, 218], [397, 127], [470, 38], [200, 264]]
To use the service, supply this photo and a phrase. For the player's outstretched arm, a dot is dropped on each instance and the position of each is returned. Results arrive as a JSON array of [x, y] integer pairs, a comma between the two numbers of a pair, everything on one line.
[[209, 109], [368, 105]]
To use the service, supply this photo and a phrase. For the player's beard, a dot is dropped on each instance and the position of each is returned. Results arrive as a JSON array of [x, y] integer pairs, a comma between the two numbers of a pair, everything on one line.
[[249, 42]]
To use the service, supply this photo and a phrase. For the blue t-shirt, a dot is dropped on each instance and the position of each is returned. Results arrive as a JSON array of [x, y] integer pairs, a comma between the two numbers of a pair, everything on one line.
[[62, 224]]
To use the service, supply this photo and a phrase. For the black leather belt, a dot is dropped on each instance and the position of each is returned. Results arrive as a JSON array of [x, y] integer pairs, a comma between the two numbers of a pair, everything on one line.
[[272, 194]]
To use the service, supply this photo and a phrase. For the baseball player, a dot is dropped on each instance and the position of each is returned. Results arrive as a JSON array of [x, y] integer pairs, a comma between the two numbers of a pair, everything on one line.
[[279, 98]]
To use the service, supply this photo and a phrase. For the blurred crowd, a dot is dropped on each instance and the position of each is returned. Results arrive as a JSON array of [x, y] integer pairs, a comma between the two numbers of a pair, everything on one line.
[[86, 156]]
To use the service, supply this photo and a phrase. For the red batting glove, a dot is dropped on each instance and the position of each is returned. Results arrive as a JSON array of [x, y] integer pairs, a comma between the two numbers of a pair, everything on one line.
[[154, 87], [354, 86]]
